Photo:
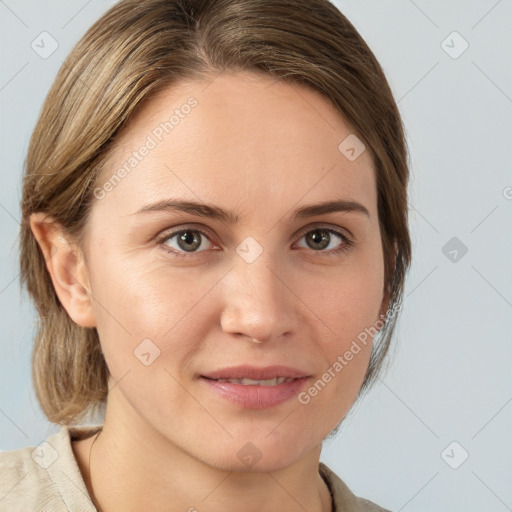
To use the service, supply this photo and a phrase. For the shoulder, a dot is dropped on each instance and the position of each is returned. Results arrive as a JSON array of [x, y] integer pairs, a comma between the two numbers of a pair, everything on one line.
[[344, 499], [44, 477]]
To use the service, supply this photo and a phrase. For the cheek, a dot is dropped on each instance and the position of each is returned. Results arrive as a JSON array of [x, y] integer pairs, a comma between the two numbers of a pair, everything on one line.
[[348, 306], [348, 299], [135, 303]]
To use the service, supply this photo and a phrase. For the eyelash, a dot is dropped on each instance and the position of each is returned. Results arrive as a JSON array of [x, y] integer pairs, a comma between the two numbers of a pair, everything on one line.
[[345, 246]]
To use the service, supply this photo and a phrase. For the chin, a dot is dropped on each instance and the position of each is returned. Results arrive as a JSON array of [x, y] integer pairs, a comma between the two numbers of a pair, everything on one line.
[[250, 459], [263, 453]]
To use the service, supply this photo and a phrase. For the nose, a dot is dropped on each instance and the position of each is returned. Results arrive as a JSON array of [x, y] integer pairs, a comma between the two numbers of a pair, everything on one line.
[[258, 303]]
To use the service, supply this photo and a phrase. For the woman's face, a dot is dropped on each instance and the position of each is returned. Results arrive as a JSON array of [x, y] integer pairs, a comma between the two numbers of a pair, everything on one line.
[[180, 292]]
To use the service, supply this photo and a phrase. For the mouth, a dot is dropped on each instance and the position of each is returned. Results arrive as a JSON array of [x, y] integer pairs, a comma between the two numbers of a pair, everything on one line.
[[256, 388], [252, 375], [252, 382]]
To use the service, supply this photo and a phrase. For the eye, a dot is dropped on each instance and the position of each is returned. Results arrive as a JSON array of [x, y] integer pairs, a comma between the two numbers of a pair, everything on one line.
[[320, 239], [186, 241]]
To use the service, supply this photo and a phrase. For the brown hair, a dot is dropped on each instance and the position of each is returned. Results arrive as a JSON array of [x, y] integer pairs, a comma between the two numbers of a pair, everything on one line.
[[136, 49]]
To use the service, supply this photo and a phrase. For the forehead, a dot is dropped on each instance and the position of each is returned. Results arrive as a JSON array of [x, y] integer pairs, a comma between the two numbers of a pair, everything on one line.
[[238, 139]]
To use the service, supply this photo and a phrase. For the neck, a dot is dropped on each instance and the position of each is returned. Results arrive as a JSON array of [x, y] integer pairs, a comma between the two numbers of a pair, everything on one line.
[[133, 467]]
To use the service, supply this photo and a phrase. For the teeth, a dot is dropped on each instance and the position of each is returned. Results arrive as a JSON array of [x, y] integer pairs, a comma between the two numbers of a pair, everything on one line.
[[251, 382]]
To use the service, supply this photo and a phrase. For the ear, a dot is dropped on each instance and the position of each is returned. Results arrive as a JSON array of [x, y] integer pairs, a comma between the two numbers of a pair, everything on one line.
[[67, 268]]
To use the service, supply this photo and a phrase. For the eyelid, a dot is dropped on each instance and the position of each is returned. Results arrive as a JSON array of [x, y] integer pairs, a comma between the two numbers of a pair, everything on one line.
[[347, 242], [343, 232], [171, 232]]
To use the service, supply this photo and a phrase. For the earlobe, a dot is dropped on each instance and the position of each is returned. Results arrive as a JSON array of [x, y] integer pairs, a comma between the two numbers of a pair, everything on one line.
[[66, 267]]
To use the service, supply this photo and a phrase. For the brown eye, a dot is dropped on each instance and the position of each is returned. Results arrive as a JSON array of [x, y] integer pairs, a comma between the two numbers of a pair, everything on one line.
[[326, 240], [318, 239], [188, 240]]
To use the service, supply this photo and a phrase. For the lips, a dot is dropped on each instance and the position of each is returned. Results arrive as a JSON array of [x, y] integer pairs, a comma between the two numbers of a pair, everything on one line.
[[252, 382], [264, 375], [256, 388], [251, 387]]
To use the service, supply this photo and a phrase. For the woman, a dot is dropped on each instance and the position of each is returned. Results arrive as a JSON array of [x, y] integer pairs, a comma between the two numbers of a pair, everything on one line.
[[215, 237]]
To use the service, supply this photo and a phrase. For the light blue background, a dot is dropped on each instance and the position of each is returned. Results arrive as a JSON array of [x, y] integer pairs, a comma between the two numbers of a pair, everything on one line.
[[450, 378]]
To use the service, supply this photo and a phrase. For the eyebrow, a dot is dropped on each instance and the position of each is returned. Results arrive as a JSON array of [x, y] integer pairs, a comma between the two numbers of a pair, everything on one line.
[[215, 212]]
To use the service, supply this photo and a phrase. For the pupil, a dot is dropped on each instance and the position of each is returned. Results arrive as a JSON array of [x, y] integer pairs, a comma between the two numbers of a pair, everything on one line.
[[320, 237], [188, 237]]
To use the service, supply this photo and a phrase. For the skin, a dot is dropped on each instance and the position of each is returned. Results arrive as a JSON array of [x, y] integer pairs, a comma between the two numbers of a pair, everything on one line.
[[260, 148]]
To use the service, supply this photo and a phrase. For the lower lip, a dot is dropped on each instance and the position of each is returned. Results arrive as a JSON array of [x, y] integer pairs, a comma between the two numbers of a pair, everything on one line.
[[257, 397]]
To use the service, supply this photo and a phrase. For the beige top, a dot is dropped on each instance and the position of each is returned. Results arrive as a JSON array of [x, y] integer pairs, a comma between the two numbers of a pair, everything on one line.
[[46, 478]]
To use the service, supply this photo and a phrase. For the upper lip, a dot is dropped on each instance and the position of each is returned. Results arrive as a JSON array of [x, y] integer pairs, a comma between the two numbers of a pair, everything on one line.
[[252, 372]]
